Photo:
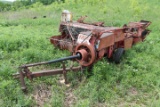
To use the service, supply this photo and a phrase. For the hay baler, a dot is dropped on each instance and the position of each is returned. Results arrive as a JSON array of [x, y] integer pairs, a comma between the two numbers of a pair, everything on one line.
[[88, 43]]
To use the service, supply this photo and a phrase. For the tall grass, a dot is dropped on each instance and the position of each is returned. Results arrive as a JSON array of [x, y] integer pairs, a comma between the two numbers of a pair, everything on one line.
[[134, 82]]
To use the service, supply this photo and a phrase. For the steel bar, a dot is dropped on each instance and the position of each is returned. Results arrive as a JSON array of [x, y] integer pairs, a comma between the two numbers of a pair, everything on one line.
[[65, 73], [52, 61], [47, 72], [21, 77], [53, 72]]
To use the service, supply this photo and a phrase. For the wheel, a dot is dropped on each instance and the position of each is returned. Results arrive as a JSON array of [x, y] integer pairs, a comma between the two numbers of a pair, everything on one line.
[[117, 55]]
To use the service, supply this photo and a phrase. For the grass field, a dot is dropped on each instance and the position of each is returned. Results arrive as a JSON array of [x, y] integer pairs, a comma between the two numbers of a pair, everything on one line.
[[135, 82]]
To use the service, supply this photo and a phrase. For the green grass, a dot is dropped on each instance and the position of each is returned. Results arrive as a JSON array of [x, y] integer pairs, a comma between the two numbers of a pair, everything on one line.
[[134, 82]]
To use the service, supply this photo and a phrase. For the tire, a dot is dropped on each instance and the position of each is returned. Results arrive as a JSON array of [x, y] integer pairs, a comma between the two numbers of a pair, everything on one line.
[[117, 55]]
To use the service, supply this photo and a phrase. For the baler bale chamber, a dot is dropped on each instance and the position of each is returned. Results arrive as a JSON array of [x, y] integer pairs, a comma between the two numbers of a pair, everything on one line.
[[88, 43], [106, 41]]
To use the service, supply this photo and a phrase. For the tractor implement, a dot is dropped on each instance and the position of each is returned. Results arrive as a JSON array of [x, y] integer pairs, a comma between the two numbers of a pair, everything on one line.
[[88, 43]]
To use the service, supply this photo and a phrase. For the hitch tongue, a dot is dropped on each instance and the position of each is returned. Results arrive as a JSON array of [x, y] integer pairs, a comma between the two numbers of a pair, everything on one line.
[[25, 72]]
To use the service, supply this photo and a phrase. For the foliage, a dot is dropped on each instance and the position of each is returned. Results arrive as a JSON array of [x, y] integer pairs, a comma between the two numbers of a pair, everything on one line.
[[4, 6], [134, 82], [24, 4]]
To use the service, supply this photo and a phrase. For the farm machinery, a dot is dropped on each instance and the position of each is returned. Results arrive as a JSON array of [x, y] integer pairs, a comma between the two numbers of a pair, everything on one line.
[[87, 43]]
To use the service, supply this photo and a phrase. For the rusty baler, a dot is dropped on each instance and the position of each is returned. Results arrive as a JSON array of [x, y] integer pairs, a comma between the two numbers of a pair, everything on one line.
[[88, 43]]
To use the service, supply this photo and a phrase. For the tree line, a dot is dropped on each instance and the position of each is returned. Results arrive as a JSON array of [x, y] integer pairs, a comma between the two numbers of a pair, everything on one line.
[[6, 6]]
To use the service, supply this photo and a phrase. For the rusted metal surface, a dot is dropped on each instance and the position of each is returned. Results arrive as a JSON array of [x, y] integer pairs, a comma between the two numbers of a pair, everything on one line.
[[88, 43], [30, 75], [88, 56], [107, 36], [128, 43]]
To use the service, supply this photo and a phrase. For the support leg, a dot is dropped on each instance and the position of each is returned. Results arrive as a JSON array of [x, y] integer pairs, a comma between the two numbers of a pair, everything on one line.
[[23, 85], [65, 73]]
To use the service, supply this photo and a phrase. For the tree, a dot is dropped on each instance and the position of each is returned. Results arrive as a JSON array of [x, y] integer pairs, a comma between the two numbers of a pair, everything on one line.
[[4, 6]]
